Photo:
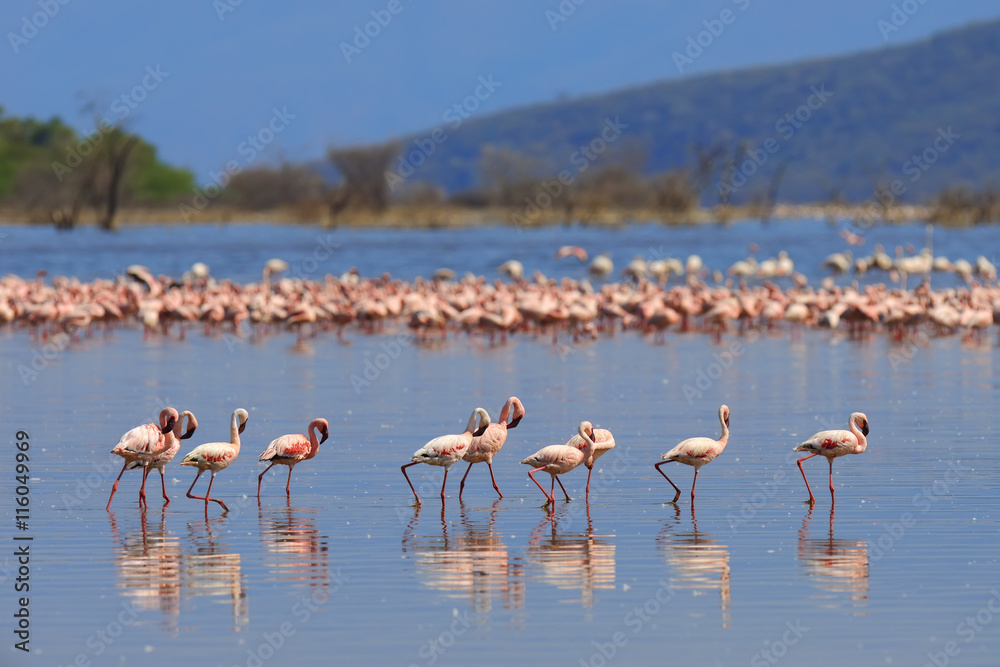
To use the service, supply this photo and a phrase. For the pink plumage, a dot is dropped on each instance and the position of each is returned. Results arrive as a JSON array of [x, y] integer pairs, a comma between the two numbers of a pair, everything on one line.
[[139, 444], [159, 460], [216, 456], [696, 452], [483, 448], [603, 442], [560, 459], [294, 448], [834, 443], [447, 450]]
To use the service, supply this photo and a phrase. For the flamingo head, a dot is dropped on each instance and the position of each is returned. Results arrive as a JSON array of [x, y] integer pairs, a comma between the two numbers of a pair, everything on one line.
[[483, 418], [518, 414], [192, 424], [243, 417], [324, 430], [724, 415], [861, 420], [168, 418]]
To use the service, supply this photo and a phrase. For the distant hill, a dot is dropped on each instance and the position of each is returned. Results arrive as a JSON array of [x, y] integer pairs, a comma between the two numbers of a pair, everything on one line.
[[886, 106]]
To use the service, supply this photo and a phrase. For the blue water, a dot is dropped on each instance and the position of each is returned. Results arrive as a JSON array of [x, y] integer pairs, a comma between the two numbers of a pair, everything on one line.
[[349, 572]]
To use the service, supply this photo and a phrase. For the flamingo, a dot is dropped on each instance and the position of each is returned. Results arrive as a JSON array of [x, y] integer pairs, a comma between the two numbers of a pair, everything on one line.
[[560, 459], [447, 450], [139, 444], [604, 442], [216, 456], [484, 447], [696, 452], [834, 443], [290, 449], [160, 460]]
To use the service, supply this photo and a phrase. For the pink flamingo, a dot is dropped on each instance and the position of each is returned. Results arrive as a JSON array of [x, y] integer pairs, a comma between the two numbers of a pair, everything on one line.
[[484, 447], [290, 449], [560, 459], [834, 443], [604, 442], [216, 456], [139, 444], [447, 450], [160, 460], [696, 452]]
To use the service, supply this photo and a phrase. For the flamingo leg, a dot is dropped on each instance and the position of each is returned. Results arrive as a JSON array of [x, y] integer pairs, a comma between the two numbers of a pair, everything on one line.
[[589, 473], [163, 483], [532, 476], [403, 468], [494, 479], [192, 486], [563, 490], [142, 489], [288, 484], [693, 483], [443, 483], [832, 498], [461, 487], [678, 494], [799, 463], [260, 478], [115, 487], [208, 495]]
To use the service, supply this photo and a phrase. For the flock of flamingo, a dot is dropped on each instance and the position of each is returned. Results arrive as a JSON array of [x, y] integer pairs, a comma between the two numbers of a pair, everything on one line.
[[154, 445], [646, 300]]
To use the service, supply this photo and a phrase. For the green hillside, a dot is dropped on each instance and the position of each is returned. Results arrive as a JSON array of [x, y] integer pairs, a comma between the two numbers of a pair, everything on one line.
[[886, 107]]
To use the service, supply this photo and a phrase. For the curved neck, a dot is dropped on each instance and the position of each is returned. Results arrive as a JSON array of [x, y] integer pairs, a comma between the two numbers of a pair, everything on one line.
[[234, 430], [313, 439], [858, 434], [724, 438]]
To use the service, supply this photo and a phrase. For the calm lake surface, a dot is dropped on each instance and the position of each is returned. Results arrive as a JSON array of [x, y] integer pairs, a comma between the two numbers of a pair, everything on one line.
[[905, 572]]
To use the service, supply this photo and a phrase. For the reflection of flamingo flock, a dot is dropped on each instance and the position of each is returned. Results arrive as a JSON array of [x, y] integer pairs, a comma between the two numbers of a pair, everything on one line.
[[645, 301]]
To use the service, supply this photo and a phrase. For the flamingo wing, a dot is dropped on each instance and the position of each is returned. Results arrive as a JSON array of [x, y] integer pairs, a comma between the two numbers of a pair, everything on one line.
[[694, 451], [288, 447], [830, 443], [211, 454], [142, 441]]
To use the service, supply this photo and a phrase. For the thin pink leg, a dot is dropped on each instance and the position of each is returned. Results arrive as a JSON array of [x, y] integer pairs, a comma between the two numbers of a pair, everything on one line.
[[403, 468], [563, 490], [192, 486], [799, 463], [208, 495], [532, 476], [163, 483], [142, 489], [832, 498], [288, 484], [461, 487], [693, 483], [115, 487], [494, 479], [260, 478], [443, 484], [678, 494], [589, 473]]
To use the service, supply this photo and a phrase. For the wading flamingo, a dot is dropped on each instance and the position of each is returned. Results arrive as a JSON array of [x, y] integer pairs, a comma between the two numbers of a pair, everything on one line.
[[560, 459], [834, 443], [603, 443], [215, 456], [159, 461], [484, 447], [696, 452], [139, 444], [447, 450], [290, 449]]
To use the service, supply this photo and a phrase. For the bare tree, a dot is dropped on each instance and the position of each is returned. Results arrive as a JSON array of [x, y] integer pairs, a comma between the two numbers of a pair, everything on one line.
[[363, 172]]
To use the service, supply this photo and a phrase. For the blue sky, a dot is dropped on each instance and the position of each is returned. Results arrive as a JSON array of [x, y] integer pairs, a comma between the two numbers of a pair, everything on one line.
[[223, 66]]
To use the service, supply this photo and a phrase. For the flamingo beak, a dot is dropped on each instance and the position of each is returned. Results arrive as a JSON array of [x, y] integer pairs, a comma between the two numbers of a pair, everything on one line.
[[189, 433], [479, 432], [169, 427], [514, 422], [243, 425], [864, 428], [326, 434]]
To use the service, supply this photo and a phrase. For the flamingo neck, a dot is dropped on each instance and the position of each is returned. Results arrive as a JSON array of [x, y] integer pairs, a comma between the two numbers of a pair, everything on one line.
[[313, 440], [505, 411], [724, 438], [234, 431], [862, 440]]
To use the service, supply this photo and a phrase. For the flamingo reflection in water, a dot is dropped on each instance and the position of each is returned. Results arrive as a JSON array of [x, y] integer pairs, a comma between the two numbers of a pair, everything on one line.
[[210, 569], [294, 549], [468, 560], [148, 560], [837, 565], [698, 561], [572, 560]]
